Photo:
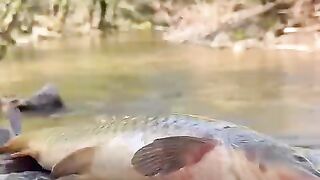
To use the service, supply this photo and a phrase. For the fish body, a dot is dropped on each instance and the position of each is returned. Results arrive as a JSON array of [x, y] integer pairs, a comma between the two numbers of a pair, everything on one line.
[[106, 150]]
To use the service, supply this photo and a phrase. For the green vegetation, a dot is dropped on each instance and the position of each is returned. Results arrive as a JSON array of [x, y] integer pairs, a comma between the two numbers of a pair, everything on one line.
[[214, 22]]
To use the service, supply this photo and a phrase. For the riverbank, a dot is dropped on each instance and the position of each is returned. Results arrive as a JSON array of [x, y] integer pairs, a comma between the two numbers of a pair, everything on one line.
[[239, 25]]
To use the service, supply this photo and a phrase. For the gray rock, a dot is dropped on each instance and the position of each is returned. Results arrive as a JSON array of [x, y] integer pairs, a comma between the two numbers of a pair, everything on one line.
[[46, 100], [24, 168], [27, 175]]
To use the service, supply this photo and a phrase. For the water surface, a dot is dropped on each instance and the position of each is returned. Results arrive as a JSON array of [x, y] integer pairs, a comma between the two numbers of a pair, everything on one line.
[[270, 91]]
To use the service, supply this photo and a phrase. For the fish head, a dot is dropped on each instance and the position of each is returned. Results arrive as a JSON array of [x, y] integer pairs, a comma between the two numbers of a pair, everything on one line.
[[302, 162], [289, 157], [267, 151]]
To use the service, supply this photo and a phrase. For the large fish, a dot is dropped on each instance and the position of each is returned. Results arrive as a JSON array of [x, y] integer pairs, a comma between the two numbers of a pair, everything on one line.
[[171, 148]]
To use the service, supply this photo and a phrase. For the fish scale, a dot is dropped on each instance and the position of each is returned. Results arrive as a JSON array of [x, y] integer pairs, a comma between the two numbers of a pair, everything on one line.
[[115, 142]]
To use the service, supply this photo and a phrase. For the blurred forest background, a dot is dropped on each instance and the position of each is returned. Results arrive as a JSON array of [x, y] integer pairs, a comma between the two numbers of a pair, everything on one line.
[[240, 24]]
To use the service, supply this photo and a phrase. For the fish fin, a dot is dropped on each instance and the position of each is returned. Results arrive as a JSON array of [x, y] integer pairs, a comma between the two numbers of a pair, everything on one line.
[[24, 153], [77, 162], [170, 154], [77, 177], [70, 177]]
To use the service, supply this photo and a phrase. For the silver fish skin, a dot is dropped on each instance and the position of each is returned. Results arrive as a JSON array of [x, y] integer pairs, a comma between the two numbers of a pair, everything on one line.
[[116, 142]]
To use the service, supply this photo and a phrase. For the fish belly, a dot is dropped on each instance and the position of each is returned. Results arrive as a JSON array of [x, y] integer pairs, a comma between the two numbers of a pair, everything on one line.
[[113, 162], [223, 164]]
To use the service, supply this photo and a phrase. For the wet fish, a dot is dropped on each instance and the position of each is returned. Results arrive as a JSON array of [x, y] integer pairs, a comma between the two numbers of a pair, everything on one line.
[[173, 147]]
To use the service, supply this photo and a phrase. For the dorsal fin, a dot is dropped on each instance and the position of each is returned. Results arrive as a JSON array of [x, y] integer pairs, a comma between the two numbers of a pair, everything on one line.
[[169, 154]]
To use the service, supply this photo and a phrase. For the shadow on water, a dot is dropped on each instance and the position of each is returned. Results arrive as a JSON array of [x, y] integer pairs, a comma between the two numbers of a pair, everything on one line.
[[271, 91]]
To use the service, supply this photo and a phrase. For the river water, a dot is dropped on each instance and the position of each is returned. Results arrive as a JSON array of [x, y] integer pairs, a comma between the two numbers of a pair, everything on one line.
[[275, 92]]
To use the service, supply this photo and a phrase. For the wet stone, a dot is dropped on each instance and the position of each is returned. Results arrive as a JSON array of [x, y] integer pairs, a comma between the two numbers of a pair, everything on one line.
[[27, 175], [45, 101], [23, 169]]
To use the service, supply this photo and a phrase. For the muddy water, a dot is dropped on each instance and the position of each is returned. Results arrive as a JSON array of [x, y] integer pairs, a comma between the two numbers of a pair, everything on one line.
[[271, 91]]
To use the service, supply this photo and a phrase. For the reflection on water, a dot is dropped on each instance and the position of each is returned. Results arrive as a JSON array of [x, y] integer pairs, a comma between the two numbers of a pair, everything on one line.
[[274, 92]]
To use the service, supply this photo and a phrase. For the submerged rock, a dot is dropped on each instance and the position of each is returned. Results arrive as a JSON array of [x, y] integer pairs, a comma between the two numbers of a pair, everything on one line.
[[46, 100]]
